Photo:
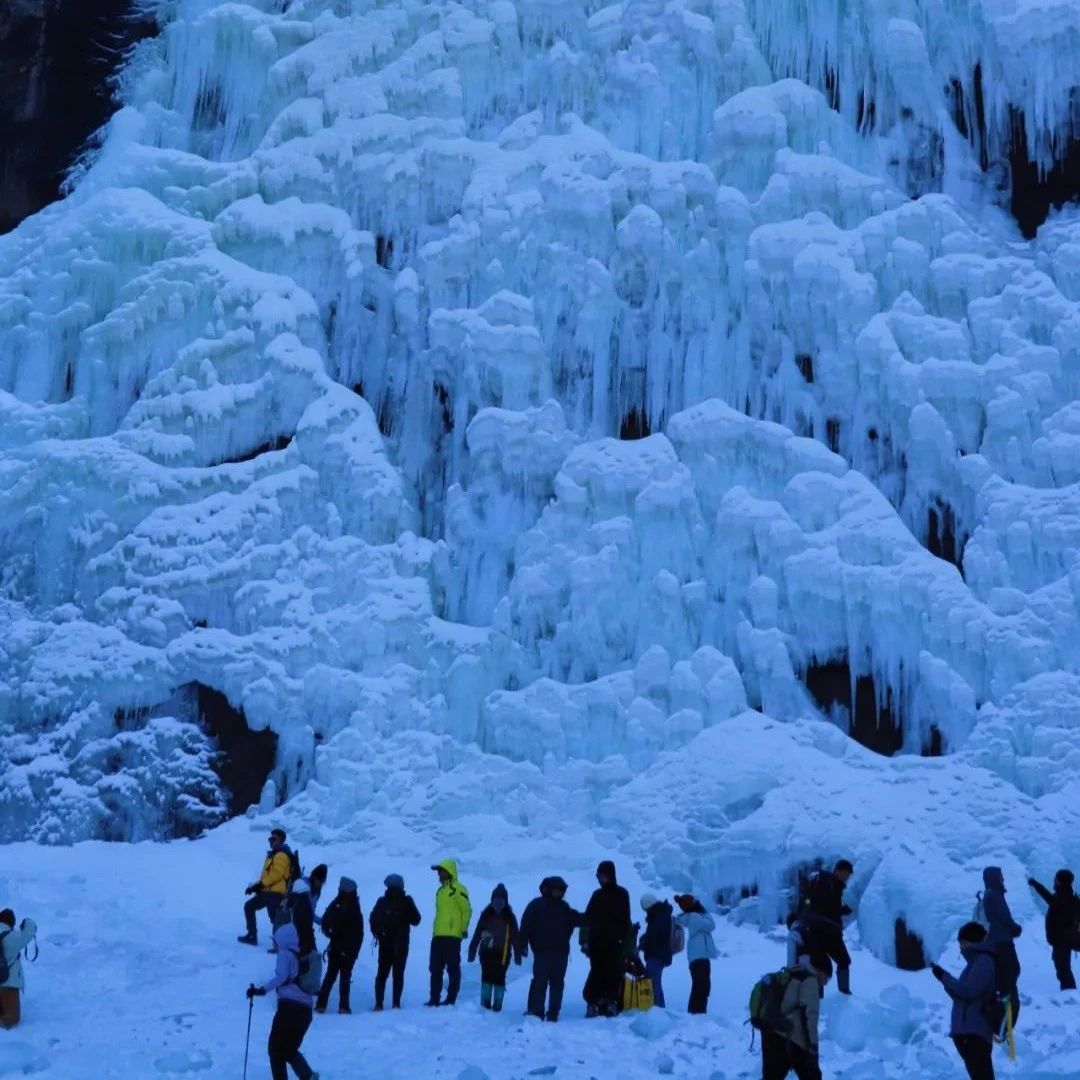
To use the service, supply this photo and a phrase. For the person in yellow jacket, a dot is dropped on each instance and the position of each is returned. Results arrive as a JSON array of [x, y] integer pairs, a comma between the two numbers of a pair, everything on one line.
[[271, 887], [452, 915]]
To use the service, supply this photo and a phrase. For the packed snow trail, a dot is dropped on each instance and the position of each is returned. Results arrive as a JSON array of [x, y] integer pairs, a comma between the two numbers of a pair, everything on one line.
[[320, 405], [139, 975]]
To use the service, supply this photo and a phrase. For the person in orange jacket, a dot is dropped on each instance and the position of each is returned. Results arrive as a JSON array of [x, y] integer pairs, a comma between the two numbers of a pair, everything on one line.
[[271, 887]]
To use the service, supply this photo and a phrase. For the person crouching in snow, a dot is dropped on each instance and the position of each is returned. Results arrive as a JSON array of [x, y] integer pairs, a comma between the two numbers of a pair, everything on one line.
[[12, 983], [655, 944], [496, 940], [973, 996], [293, 1016], [700, 950], [343, 924]]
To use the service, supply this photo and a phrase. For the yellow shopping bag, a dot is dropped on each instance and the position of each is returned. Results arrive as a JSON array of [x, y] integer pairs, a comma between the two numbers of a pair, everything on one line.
[[637, 993]]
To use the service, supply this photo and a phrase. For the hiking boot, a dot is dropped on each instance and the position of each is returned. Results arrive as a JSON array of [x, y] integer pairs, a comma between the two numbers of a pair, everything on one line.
[[320, 1009], [552, 1018], [449, 1001], [496, 1008], [344, 1010], [431, 1004], [248, 939], [591, 1011], [378, 1007], [397, 1005]]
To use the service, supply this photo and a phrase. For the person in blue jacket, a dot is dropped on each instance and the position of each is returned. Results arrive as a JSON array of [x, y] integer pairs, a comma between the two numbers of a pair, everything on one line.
[[294, 1005], [655, 943], [973, 996]]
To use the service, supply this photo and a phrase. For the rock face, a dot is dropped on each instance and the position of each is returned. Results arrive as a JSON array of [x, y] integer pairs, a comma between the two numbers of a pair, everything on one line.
[[57, 63]]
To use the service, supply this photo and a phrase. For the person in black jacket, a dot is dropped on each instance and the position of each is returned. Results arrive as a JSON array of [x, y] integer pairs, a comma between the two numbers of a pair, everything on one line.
[[607, 925], [343, 924], [392, 919], [655, 944], [496, 940], [546, 927], [1062, 924], [821, 920]]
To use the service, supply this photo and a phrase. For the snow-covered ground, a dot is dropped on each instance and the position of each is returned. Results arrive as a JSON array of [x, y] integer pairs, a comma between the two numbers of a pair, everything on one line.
[[140, 976]]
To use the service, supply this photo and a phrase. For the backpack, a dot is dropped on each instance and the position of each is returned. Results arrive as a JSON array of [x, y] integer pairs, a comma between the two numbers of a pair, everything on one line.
[[978, 913], [677, 941], [5, 967], [310, 976], [767, 997], [295, 872]]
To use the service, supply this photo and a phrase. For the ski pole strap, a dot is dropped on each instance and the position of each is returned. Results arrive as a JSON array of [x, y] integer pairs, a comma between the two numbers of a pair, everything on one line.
[[26, 952]]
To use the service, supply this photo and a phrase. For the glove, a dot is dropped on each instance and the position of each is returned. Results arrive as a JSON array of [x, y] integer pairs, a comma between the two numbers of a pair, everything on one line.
[[251, 890], [1032, 882], [254, 991], [937, 971]]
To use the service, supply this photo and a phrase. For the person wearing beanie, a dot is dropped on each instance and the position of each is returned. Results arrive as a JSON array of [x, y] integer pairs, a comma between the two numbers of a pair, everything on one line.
[[546, 928], [655, 943], [971, 1025], [496, 941], [12, 943], [698, 925], [603, 940], [1062, 924], [343, 924], [392, 919]]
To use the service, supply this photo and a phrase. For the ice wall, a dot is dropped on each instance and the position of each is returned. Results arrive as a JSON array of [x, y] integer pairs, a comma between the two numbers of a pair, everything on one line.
[[563, 407]]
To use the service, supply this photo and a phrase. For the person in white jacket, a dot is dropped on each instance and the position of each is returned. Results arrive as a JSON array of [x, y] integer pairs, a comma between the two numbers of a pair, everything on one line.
[[12, 943], [700, 949]]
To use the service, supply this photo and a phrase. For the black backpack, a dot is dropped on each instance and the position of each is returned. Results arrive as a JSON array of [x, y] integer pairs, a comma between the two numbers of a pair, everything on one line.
[[295, 872]]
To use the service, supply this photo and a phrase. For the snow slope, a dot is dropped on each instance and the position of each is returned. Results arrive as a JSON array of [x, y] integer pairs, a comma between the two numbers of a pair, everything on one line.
[[321, 391], [138, 976]]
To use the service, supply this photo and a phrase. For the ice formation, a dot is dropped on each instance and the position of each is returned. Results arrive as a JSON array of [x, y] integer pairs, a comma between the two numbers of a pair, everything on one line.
[[612, 413]]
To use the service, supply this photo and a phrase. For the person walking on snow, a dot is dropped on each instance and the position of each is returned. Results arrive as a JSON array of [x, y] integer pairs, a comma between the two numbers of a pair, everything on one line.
[[796, 1048], [604, 936], [973, 994], [453, 913], [392, 919], [822, 919], [546, 928], [1062, 924], [293, 1016], [343, 924], [698, 925], [655, 944], [270, 889], [1002, 930], [12, 981], [496, 940]]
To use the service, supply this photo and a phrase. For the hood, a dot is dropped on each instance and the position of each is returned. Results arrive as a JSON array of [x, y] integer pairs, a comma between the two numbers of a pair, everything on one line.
[[300, 886], [608, 867], [993, 878], [286, 937], [550, 884], [648, 900], [394, 881], [500, 893], [449, 865], [970, 950], [347, 885]]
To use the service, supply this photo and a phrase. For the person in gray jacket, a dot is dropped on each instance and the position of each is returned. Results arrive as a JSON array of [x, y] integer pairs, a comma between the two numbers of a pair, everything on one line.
[[795, 1049], [973, 997], [1001, 932], [13, 942], [700, 949], [294, 1005]]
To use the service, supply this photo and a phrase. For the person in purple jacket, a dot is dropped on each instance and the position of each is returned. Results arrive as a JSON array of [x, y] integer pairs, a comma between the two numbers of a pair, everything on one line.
[[973, 1001], [294, 1005]]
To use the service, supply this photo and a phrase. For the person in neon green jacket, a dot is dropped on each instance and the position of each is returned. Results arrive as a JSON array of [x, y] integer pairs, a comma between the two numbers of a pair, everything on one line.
[[452, 915]]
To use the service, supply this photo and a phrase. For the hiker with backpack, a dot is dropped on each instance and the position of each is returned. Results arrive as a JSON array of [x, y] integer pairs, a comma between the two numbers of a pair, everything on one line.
[[392, 919], [453, 913], [547, 925], [785, 1008], [496, 941], [12, 980], [343, 924], [1062, 924], [604, 935], [1002, 930], [279, 869], [662, 938], [976, 1011], [296, 979], [698, 926], [821, 919]]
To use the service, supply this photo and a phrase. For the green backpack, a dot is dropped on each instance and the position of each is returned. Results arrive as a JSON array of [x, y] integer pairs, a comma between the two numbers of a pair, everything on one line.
[[767, 997]]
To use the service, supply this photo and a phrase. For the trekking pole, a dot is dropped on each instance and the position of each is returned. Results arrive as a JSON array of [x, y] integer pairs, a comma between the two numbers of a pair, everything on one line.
[[247, 1041]]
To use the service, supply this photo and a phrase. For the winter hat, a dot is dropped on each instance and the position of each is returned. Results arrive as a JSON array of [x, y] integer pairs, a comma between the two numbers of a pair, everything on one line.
[[7, 916], [320, 872], [648, 900], [394, 881], [971, 933], [347, 885], [500, 893], [687, 901], [607, 867]]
